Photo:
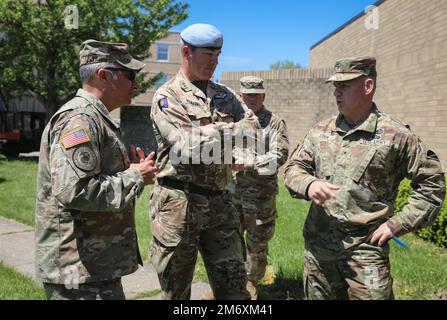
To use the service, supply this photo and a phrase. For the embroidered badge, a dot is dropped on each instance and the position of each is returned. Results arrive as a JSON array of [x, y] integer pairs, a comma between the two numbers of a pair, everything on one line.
[[221, 103], [220, 96], [163, 103], [74, 138], [84, 158], [193, 103]]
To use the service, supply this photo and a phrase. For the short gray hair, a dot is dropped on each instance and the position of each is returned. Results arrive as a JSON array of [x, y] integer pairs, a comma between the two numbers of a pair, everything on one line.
[[87, 72]]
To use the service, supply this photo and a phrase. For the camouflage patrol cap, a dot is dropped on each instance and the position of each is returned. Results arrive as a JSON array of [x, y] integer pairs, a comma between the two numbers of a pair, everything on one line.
[[351, 68], [93, 51], [251, 84]]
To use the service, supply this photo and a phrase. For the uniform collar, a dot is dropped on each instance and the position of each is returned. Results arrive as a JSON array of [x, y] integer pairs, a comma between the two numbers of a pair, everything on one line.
[[263, 113], [369, 125], [98, 105], [264, 117], [187, 86]]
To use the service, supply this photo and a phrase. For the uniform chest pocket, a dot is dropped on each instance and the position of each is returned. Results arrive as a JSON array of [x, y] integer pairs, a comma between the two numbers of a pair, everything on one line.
[[222, 116], [363, 164], [196, 113], [381, 168], [222, 103], [222, 106]]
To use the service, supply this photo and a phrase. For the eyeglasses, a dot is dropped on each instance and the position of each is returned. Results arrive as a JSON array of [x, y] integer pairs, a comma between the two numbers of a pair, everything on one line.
[[131, 74]]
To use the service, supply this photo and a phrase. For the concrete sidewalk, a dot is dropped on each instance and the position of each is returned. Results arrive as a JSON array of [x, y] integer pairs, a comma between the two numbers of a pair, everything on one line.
[[17, 250]]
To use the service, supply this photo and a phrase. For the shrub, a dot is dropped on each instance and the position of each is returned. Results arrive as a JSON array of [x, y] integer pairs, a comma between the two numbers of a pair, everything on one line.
[[437, 232]]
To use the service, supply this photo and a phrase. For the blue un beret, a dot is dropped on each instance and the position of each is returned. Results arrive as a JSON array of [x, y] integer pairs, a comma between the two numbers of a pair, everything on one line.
[[202, 36]]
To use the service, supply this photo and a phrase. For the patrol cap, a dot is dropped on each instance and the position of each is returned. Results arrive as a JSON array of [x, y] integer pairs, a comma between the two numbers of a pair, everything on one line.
[[93, 51], [351, 68], [202, 36], [251, 84]]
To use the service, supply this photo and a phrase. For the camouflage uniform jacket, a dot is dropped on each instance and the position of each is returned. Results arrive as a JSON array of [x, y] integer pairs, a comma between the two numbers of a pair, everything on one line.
[[85, 228], [368, 163], [179, 109], [259, 181]]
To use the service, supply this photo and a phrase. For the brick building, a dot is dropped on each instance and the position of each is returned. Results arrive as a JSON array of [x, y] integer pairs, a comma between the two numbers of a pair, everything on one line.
[[165, 57], [135, 121], [299, 96], [409, 40]]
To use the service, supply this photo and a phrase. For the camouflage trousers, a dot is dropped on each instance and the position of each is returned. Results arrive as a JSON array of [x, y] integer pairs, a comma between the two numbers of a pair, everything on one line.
[[104, 290], [359, 274], [258, 223], [183, 224]]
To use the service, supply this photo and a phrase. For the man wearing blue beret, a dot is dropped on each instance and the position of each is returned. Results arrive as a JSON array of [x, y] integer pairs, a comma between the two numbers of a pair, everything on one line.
[[190, 211]]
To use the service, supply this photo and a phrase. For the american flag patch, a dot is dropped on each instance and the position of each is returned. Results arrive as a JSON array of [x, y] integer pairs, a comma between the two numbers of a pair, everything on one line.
[[74, 138]]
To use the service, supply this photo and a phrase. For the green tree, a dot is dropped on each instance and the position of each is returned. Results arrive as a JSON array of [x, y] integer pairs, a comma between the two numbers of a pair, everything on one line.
[[285, 64], [40, 48]]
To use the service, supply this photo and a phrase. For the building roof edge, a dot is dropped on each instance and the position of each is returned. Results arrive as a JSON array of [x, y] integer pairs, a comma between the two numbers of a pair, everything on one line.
[[361, 14]]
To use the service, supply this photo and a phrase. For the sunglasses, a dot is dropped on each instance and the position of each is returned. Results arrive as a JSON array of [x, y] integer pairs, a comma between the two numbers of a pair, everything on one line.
[[131, 74]]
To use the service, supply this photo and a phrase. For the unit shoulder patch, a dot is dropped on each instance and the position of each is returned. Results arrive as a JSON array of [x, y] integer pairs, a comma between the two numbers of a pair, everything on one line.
[[163, 103], [84, 158]]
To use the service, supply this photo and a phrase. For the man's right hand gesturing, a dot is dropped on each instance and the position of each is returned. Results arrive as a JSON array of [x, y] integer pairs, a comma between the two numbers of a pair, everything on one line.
[[146, 166], [320, 192]]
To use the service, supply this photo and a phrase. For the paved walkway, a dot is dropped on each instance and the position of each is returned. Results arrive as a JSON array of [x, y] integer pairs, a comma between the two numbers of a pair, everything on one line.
[[17, 250]]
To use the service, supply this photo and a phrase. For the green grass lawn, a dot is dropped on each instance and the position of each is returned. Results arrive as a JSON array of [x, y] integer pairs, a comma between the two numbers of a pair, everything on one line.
[[419, 273], [15, 286], [18, 190]]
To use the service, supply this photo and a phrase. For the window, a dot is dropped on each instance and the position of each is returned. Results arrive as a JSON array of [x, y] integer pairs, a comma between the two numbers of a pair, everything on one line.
[[161, 81], [162, 52]]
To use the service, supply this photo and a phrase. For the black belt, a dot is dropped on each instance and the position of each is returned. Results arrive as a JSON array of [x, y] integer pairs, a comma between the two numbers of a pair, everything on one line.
[[192, 188]]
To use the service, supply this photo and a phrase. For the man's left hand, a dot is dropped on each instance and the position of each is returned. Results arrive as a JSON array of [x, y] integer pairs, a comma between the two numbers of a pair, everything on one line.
[[382, 234]]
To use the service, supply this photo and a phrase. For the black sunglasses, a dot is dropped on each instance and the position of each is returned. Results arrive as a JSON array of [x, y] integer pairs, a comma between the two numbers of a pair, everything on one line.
[[131, 74]]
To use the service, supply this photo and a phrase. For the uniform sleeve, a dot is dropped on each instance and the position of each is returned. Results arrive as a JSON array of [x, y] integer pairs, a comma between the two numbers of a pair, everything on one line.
[[245, 120], [246, 126], [270, 162], [425, 171], [185, 136], [300, 170], [76, 175]]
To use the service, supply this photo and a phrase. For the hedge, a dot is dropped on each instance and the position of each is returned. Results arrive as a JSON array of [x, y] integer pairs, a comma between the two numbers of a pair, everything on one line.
[[437, 232]]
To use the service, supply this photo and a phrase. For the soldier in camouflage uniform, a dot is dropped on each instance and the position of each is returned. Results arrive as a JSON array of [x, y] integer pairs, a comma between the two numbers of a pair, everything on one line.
[[86, 187], [255, 187], [189, 209], [350, 167]]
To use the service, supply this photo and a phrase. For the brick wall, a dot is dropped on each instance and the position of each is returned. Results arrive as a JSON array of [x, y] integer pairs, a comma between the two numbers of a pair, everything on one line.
[[300, 97], [153, 67], [411, 50]]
